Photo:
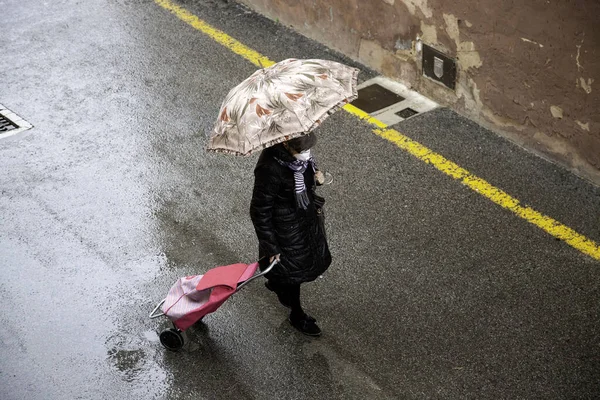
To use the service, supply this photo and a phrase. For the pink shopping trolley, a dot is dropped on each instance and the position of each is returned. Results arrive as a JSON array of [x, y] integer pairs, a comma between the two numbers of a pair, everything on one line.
[[193, 297]]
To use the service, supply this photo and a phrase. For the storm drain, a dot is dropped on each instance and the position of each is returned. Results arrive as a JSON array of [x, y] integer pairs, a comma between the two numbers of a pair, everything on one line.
[[11, 124], [6, 124], [375, 97], [389, 101], [407, 113]]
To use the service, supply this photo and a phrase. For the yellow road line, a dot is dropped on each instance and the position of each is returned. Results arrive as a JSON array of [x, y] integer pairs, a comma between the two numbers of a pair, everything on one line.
[[549, 225], [494, 194], [218, 36]]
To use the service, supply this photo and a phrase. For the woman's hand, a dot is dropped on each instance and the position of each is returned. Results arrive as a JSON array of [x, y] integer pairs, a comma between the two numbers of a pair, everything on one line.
[[323, 178], [275, 257], [319, 177]]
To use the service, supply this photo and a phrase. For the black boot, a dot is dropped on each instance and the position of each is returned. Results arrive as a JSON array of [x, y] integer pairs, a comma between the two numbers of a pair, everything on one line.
[[305, 324]]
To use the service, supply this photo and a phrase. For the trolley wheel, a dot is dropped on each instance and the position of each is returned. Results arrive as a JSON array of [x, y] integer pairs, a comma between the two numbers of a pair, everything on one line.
[[171, 339]]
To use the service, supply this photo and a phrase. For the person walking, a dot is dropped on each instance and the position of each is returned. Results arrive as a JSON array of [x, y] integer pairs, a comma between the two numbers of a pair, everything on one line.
[[275, 110], [288, 219]]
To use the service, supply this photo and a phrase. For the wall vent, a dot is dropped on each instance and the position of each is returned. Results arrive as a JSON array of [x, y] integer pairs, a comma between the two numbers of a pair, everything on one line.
[[439, 67]]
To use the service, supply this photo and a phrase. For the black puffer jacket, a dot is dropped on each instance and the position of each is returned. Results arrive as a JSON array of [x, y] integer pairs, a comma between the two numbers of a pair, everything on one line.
[[283, 228]]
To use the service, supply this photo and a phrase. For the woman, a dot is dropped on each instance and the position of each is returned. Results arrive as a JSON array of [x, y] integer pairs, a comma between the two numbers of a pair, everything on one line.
[[288, 219]]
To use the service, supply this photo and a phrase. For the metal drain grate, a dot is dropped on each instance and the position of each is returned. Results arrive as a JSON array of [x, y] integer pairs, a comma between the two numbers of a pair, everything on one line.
[[6, 124], [407, 113], [375, 97], [390, 102], [11, 124]]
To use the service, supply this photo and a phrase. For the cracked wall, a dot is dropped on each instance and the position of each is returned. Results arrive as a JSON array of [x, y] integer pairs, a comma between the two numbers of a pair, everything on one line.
[[529, 71]]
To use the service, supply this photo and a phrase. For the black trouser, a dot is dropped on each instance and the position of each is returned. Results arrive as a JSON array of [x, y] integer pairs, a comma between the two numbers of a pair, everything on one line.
[[289, 294]]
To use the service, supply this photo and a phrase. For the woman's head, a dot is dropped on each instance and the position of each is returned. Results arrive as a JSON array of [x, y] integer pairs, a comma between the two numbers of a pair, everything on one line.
[[302, 143]]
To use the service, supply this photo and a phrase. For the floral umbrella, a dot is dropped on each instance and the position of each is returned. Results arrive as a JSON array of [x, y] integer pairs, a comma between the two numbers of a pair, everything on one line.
[[281, 102]]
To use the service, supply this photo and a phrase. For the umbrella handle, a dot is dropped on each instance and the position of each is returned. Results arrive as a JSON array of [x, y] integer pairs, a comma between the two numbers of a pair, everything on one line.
[[262, 273]]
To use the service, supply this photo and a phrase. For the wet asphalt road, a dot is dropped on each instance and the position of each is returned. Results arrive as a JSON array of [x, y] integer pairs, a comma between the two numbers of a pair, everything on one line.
[[435, 292]]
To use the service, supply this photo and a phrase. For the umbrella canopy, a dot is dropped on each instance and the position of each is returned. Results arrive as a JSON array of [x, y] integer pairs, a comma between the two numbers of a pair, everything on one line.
[[281, 102]]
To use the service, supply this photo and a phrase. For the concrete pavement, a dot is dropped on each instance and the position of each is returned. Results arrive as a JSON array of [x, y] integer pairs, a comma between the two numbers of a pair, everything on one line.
[[435, 291]]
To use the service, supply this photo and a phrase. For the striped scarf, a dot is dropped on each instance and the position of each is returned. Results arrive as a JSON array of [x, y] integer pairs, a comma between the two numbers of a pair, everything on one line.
[[298, 167]]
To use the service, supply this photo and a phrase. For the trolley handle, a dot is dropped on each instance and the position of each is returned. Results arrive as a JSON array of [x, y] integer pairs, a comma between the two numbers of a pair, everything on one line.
[[153, 313], [262, 273]]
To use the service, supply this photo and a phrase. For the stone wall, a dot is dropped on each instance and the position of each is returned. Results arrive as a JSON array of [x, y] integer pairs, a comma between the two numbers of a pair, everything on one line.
[[528, 70]]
